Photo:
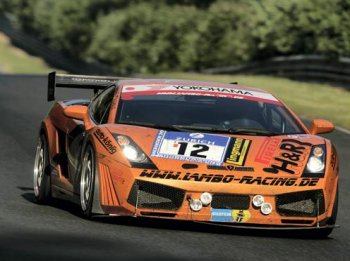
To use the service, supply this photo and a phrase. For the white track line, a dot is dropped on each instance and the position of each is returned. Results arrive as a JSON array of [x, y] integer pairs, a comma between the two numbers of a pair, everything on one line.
[[343, 130]]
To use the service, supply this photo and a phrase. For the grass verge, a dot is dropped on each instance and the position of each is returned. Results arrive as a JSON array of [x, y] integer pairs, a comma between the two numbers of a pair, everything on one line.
[[308, 100], [15, 60]]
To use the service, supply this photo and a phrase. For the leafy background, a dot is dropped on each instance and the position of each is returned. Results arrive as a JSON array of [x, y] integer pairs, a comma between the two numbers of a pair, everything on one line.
[[162, 35]]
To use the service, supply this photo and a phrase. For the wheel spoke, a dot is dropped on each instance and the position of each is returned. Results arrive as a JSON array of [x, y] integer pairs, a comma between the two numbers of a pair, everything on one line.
[[86, 179], [39, 167]]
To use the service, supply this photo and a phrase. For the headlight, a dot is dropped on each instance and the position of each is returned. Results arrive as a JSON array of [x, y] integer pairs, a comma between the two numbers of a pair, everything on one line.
[[316, 162], [315, 165], [130, 150]]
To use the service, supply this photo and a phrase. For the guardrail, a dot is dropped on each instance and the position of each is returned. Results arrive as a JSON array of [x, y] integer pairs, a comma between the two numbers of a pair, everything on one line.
[[300, 67], [54, 58]]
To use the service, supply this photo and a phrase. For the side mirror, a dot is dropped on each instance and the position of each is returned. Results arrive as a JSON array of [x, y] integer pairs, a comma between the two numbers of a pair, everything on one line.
[[77, 112], [321, 126]]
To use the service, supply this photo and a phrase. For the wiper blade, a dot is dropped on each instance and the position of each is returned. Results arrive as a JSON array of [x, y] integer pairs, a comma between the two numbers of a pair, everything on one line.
[[191, 127], [250, 131], [180, 127], [245, 131], [153, 125]]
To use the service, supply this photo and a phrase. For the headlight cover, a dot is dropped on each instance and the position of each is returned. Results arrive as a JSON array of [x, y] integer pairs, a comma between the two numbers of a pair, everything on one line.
[[131, 151], [316, 163]]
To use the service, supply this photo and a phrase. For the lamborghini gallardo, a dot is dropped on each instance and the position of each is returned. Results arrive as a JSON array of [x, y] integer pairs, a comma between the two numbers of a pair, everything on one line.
[[186, 150]]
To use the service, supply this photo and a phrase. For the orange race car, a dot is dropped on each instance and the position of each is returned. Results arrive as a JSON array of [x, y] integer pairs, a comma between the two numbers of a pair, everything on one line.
[[186, 150]]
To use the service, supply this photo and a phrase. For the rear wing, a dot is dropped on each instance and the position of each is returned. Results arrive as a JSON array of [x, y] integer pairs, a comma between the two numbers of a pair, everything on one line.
[[78, 82]]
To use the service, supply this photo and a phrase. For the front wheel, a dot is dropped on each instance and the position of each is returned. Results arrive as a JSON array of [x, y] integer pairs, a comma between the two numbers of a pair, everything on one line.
[[41, 178], [87, 178]]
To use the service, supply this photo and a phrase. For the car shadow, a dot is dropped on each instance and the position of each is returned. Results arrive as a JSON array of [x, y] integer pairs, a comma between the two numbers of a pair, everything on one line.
[[55, 203], [168, 224]]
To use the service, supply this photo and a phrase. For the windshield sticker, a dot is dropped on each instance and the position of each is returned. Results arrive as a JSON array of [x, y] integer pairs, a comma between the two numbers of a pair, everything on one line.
[[238, 151], [195, 147], [293, 152], [128, 92]]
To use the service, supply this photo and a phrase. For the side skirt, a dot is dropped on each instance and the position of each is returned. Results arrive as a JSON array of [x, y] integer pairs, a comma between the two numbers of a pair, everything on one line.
[[60, 193]]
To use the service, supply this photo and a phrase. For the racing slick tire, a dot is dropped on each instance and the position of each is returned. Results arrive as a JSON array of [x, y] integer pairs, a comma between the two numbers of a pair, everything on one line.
[[87, 181], [42, 178]]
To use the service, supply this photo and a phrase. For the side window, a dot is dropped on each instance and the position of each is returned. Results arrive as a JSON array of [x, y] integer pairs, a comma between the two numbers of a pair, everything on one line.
[[273, 118], [277, 121], [101, 104]]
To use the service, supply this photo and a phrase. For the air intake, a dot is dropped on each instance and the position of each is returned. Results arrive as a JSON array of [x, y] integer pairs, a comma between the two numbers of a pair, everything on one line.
[[155, 196], [301, 204], [230, 201]]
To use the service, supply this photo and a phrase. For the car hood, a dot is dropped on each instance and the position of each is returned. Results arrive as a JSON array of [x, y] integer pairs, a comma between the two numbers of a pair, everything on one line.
[[285, 155]]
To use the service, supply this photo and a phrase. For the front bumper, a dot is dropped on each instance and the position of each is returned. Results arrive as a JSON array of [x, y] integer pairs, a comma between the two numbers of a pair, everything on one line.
[[146, 196], [306, 208]]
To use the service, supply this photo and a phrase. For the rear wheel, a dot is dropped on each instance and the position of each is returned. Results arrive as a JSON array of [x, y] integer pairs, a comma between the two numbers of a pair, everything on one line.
[[41, 178], [87, 181]]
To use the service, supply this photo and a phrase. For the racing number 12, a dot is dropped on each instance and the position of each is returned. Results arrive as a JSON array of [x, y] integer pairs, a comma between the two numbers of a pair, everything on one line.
[[194, 153]]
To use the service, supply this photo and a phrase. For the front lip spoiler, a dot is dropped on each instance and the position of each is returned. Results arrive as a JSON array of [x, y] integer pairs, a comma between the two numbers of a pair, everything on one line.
[[276, 228]]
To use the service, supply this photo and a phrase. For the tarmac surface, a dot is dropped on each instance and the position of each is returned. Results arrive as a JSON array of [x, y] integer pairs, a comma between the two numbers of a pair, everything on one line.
[[29, 231]]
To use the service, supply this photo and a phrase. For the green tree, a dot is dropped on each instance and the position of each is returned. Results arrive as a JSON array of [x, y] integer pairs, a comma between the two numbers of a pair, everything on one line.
[[296, 27], [224, 38], [143, 37]]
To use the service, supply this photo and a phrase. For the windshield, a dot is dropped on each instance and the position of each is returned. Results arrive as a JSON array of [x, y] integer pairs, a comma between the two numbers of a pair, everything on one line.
[[207, 114]]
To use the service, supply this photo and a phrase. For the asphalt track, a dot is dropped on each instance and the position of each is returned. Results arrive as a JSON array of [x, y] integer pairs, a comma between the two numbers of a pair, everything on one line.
[[31, 231]]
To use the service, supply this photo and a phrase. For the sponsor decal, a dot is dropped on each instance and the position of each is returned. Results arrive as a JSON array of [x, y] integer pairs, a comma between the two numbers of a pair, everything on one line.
[[92, 80], [219, 178], [267, 150], [229, 215], [211, 89], [105, 141], [292, 153], [238, 151], [197, 135], [269, 181], [230, 168], [195, 147], [221, 215], [240, 216], [129, 92], [160, 174]]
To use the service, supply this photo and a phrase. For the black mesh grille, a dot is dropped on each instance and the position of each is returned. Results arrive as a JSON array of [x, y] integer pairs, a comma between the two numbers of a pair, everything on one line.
[[155, 196], [230, 201], [301, 204]]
